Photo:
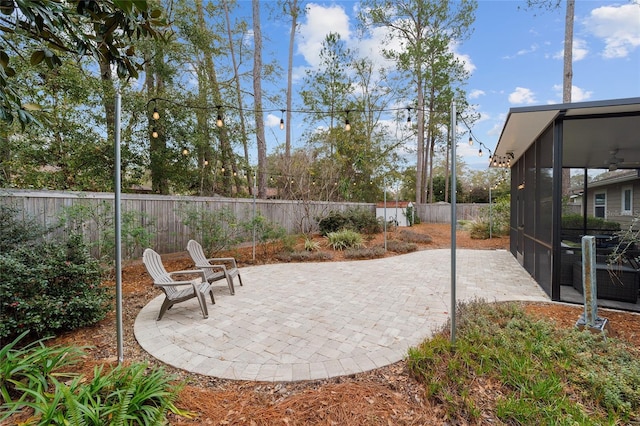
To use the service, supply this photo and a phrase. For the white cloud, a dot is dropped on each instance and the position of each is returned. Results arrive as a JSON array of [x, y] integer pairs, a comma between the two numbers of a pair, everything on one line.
[[321, 21], [272, 121], [577, 94], [522, 95], [531, 49], [617, 26], [580, 50], [464, 58], [476, 93]]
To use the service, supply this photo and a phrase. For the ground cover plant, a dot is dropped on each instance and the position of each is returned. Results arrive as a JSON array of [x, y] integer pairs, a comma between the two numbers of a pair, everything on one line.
[[37, 388], [545, 375]]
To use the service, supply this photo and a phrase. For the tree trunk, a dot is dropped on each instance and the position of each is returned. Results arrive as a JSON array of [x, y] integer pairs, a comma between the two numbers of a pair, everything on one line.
[[420, 195], [157, 145], [236, 78], [257, 91], [567, 80], [293, 9]]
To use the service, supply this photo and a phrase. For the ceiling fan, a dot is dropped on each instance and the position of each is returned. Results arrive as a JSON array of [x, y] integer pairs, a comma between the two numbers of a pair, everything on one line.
[[614, 161]]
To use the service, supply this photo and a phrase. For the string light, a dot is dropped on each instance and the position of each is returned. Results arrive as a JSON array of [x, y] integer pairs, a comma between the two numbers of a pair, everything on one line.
[[154, 133], [409, 115], [156, 114], [219, 122], [470, 141], [347, 125], [282, 120]]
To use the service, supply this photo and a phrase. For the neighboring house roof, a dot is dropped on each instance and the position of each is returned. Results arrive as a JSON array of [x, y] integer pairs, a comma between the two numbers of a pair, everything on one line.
[[610, 178], [392, 203]]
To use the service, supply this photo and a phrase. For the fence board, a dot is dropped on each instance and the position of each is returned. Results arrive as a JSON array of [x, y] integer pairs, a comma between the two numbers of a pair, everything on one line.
[[171, 234]]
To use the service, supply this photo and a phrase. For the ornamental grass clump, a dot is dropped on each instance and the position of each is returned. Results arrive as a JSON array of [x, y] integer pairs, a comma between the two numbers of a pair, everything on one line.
[[344, 239]]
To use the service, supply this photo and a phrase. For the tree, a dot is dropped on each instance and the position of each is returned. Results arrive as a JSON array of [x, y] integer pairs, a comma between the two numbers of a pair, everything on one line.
[[257, 93], [102, 29], [567, 72], [425, 29]]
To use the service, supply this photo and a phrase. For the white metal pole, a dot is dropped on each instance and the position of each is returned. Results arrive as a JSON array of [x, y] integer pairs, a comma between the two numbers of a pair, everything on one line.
[[118, 229]]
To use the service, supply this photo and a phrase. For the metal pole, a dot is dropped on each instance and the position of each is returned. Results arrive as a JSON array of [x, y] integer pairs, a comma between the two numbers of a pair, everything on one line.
[[490, 211], [454, 221], [118, 229], [254, 215], [384, 220]]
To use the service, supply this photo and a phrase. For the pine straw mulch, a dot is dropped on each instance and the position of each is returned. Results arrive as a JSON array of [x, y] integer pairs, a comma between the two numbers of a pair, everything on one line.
[[385, 396]]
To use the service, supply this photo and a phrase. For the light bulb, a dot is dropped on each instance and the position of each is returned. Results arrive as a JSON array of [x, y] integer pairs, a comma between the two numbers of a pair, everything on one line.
[[470, 141], [155, 114], [154, 133], [281, 123]]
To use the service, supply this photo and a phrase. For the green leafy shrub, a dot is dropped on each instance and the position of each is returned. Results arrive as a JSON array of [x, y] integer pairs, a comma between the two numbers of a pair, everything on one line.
[[491, 221], [215, 229], [48, 287], [132, 395], [267, 233], [344, 239], [401, 246], [575, 222], [16, 232], [410, 236], [136, 229], [364, 253], [354, 219]]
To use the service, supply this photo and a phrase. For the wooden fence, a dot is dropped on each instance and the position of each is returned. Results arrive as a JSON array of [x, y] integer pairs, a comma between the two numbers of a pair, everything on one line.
[[166, 215]]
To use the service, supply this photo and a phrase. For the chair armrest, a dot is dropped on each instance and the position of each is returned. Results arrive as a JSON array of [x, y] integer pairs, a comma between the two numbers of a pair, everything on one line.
[[210, 266], [178, 283], [231, 260], [191, 271]]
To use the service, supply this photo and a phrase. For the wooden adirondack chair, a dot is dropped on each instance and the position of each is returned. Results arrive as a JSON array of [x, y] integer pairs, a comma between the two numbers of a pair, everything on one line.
[[215, 268], [176, 291]]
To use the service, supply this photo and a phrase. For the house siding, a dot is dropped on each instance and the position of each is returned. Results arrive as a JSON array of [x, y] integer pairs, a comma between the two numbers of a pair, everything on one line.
[[614, 202]]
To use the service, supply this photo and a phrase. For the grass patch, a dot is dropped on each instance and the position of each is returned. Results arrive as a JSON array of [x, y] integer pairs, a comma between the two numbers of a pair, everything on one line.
[[364, 253], [536, 373], [410, 236]]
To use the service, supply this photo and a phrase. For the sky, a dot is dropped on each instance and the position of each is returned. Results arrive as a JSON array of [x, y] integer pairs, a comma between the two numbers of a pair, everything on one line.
[[514, 56]]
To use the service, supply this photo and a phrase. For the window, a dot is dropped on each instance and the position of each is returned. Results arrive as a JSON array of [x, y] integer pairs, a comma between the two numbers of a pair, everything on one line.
[[627, 201], [600, 205]]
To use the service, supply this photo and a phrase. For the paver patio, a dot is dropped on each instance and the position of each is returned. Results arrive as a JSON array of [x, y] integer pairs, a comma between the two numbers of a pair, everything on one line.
[[306, 321]]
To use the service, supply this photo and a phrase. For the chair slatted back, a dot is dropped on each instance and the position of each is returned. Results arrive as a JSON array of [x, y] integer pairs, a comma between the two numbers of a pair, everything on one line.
[[197, 254], [153, 262]]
